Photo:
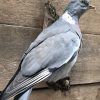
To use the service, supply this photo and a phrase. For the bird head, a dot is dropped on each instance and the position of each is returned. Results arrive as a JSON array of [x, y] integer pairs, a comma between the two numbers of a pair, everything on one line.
[[78, 7]]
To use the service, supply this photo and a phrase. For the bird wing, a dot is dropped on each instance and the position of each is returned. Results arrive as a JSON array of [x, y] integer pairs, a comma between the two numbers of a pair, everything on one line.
[[50, 55], [50, 31]]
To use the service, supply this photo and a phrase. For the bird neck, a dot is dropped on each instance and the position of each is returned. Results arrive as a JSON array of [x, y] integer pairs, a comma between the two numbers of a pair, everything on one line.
[[75, 17], [68, 17], [74, 12], [73, 20]]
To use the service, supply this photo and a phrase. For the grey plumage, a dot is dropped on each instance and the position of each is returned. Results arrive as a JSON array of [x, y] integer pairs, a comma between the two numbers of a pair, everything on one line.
[[49, 52], [46, 57]]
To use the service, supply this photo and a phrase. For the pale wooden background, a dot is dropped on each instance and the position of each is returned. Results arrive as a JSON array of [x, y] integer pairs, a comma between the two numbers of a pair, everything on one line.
[[22, 20]]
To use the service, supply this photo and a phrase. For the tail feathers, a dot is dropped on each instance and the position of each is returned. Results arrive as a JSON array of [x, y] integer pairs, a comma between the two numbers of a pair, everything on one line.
[[25, 85]]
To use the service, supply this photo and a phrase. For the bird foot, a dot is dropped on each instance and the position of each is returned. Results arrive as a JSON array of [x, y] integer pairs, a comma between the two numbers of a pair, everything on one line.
[[63, 85]]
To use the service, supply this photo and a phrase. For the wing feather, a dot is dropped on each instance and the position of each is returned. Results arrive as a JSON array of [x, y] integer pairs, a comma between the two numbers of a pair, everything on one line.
[[18, 85]]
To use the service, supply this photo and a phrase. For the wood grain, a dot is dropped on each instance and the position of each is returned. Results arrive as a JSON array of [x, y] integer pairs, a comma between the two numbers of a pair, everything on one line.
[[87, 68], [90, 21], [76, 93], [27, 13], [30, 13], [13, 43]]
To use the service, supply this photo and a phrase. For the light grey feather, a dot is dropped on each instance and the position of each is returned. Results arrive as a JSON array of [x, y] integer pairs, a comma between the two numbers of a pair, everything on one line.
[[64, 71], [52, 53], [60, 26]]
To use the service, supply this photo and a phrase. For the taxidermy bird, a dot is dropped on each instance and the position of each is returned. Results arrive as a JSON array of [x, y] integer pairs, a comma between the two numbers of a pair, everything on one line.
[[51, 56]]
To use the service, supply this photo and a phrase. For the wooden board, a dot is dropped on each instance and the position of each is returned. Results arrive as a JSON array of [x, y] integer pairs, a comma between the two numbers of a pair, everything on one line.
[[90, 22], [76, 93], [30, 13], [13, 43], [27, 13], [87, 68]]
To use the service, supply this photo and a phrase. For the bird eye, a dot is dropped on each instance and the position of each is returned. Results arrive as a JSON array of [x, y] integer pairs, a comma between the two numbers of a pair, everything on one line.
[[85, 2]]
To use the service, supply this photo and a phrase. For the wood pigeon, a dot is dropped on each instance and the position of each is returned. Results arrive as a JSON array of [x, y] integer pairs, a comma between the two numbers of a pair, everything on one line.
[[51, 56]]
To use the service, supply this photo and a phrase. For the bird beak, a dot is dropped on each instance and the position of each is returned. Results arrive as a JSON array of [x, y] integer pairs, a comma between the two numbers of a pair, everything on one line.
[[91, 7]]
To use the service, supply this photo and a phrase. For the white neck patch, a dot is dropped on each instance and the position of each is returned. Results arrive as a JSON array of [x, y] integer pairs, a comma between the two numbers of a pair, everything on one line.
[[68, 18]]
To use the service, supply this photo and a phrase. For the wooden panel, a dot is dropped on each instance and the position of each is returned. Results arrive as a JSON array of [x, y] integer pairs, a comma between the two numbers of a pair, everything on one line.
[[90, 22], [87, 69], [13, 43], [76, 93], [22, 12], [30, 13]]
